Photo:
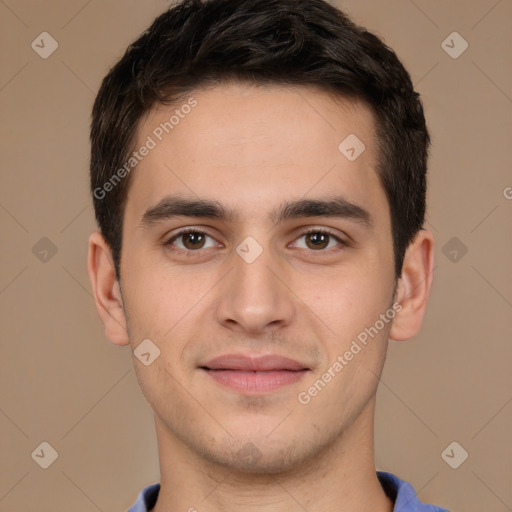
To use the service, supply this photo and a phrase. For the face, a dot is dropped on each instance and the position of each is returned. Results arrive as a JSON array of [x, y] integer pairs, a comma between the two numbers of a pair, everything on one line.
[[293, 258]]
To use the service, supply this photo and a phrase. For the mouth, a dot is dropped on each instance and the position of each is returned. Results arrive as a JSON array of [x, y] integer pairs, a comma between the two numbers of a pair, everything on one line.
[[254, 375]]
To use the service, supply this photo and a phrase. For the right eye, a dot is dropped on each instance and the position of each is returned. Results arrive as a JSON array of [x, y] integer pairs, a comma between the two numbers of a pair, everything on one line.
[[191, 240]]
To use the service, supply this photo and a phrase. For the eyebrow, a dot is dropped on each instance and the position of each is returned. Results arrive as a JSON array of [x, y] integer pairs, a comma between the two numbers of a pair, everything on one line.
[[175, 206]]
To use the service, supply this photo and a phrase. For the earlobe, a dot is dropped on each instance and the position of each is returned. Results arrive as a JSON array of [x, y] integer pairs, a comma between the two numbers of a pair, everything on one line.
[[107, 293], [414, 286]]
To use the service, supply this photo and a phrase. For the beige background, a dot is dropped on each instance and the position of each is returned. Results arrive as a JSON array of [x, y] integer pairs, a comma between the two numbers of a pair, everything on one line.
[[63, 383]]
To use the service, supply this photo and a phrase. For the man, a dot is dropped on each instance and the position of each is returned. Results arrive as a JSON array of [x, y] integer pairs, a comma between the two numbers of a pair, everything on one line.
[[258, 176]]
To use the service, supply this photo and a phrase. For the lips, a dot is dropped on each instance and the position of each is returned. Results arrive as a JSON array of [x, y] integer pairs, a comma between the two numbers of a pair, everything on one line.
[[268, 363], [254, 375]]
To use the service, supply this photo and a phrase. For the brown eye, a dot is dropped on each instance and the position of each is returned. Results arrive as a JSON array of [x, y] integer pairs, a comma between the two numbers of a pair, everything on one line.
[[193, 240], [317, 240], [189, 240]]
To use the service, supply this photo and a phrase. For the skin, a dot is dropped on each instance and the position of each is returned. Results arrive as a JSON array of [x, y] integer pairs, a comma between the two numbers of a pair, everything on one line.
[[251, 148]]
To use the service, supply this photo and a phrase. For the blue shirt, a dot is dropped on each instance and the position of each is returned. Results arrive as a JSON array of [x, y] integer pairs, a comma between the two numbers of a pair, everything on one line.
[[399, 491]]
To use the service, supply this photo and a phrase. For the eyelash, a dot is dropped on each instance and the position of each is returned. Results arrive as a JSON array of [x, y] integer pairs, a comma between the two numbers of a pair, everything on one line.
[[191, 253]]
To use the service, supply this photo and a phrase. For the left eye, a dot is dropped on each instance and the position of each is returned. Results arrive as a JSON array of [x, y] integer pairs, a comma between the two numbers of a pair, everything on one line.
[[192, 241], [319, 239]]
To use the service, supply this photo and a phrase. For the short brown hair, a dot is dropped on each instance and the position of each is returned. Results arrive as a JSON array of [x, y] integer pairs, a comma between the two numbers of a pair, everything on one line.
[[287, 42]]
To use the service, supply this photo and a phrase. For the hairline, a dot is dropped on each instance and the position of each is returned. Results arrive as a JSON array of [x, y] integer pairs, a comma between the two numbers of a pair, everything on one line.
[[343, 100]]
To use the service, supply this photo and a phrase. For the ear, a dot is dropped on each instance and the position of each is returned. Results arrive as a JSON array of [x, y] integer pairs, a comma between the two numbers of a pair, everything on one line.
[[413, 286], [107, 292]]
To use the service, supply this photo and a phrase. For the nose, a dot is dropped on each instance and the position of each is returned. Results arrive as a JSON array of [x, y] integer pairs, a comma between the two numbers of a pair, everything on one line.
[[254, 297]]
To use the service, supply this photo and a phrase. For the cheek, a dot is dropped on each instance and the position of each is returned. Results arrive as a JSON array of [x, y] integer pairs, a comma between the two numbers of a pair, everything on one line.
[[166, 308], [348, 300]]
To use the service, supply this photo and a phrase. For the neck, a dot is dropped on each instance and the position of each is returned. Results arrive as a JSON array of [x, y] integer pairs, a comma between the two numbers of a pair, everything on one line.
[[340, 477]]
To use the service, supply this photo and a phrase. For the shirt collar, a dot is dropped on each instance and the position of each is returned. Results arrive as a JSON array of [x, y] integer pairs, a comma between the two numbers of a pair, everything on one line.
[[399, 491]]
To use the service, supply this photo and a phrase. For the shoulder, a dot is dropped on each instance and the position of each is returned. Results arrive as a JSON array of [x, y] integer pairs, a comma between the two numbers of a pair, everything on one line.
[[146, 499], [403, 494]]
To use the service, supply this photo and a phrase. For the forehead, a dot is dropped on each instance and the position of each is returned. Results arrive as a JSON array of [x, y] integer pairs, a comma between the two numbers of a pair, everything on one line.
[[248, 146]]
